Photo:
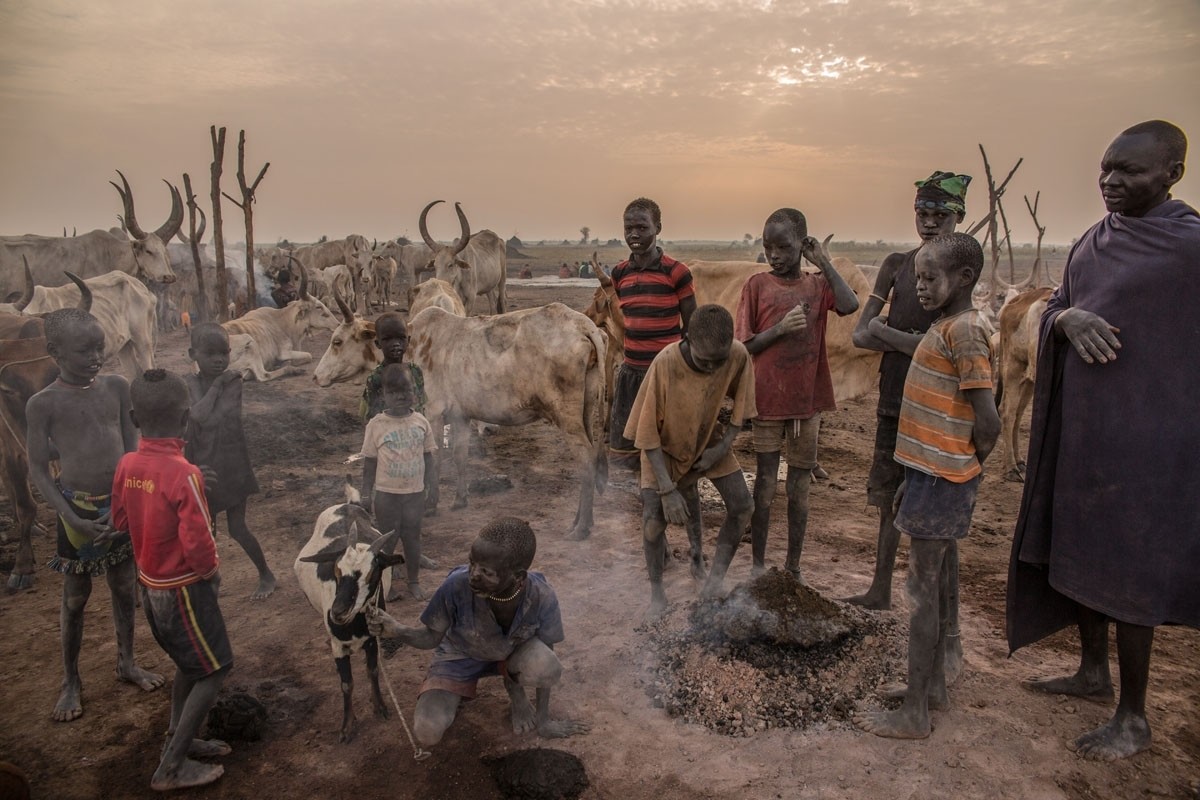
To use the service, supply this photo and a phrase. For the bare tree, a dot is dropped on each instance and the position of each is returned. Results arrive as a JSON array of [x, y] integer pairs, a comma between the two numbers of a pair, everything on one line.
[[194, 238], [1038, 264], [218, 143], [247, 207], [996, 209], [584, 233]]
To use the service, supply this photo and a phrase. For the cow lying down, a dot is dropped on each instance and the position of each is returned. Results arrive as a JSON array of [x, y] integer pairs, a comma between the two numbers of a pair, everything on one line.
[[341, 570]]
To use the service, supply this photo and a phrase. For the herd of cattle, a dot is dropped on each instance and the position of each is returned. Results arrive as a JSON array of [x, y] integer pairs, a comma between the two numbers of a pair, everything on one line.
[[549, 363]]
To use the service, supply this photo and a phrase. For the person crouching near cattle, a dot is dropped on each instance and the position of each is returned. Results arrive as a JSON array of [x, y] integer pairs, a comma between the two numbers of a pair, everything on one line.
[[217, 442], [391, 335], [781, 319], [674, 424], [84, 416], [491, 616], [158, 496], [399, 471], [948, 426]]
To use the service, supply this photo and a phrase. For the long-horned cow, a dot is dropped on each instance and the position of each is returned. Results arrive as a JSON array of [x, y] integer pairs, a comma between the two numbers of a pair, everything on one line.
[[143, 256], [473, 265], [410, 258], [544, 363], [352, 350], [1016, 359], [434, 292]]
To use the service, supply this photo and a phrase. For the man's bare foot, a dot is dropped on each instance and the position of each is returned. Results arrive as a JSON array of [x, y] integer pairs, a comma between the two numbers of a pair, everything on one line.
[[266, 585], [414, 590], [1117, 738], [1077, 685], [524, 718], [143, 679], [189, 773], [892, 724], [871, 601], [427, 562], [69, 707], [938, 701], [562, 728]]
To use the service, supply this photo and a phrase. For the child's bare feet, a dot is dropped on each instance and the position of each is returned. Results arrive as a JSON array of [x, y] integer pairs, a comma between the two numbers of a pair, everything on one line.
[[202, 748], [414, 589], [938, 701], [562, 728], [143, 679], [189, 773], [69, 707], [1091, 687], [1120, 737], [658, 604], [427, 562], [266, 585], [873, 602], [699, 570], [524, 718], [899, 724]]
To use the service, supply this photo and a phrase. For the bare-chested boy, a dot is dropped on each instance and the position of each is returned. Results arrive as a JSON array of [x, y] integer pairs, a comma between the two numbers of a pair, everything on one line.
[[491, 616], [84, 417], [674, 424]]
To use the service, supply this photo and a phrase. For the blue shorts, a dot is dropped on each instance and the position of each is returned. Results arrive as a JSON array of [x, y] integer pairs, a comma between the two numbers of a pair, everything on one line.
[[935, 508], [460, 675]]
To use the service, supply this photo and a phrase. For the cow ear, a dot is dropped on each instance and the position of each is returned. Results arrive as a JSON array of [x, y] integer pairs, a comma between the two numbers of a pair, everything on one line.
[[462, 264], [368, 333]]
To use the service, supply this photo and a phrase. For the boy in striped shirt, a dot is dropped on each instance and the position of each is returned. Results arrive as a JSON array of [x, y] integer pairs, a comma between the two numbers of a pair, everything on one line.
[[948, 426]]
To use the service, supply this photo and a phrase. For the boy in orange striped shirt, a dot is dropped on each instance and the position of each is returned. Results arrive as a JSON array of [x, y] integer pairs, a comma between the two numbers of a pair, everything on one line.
[[948, 426]]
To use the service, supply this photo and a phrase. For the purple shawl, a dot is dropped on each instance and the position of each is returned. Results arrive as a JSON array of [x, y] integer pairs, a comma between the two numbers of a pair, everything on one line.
[[1110, 515]]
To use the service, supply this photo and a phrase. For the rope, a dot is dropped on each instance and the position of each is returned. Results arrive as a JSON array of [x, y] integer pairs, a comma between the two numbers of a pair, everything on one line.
[[418, 753]]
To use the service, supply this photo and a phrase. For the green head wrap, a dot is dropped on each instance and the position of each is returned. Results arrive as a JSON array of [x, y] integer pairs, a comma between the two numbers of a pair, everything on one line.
[[943, 190]]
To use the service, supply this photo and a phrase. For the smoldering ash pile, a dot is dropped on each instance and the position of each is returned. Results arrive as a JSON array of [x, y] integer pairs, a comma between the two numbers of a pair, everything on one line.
[[774, 654]]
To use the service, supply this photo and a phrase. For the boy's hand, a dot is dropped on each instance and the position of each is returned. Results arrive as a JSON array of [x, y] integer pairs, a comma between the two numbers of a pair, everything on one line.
[[674, 508], [709, 458], [96, 530], [210, 477], [794, 321], [811, 249]]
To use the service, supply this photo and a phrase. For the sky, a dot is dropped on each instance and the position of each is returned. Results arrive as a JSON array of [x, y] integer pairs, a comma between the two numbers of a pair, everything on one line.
[[543, 116]]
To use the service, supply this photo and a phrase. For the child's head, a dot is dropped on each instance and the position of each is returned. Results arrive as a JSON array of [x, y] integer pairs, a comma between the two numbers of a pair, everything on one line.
[[643, 224], [284, 277], [391, 334], [500, 555], [159, 404], [209, 349], [397, 389], [709, 338], [947, 268], [941, 203], [75, 340], [783, 237], [1140, 167]]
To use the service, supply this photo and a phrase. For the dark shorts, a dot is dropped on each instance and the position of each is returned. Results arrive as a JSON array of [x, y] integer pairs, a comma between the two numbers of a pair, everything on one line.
[[460, 676], [935, 508], [886, 475], [402, 512], [187, 624], [625, 388], [76, 554]]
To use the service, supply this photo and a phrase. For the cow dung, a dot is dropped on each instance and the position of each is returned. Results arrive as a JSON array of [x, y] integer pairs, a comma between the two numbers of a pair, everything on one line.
[[237, 717], [775, 608], [539, 773], [491, 484]]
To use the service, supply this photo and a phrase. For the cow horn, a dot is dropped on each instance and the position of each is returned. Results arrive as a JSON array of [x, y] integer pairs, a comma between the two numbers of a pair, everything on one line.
[[374, 243], [130, 222], [26, 298], [465, 239], [347, 314], [303, 277], [85, 291], [181, 236], [175, 221], [424, 229]]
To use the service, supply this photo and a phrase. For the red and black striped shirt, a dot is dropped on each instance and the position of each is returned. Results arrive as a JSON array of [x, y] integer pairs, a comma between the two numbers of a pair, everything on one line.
[[650, 300]]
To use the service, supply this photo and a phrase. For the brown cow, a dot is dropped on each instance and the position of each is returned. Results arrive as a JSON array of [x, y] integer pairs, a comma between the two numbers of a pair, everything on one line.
[[1016, 359]]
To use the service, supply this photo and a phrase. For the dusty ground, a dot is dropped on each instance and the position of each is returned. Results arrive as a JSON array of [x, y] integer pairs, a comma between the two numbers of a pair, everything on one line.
[[997, 741]]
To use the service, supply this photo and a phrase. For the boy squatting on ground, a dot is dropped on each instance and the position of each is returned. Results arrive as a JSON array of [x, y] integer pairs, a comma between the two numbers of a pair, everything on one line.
[[491, 616], [217, 442], [948, 426], [674, 423], [158, 496], [84, 416], [792, 383], [399, 445]]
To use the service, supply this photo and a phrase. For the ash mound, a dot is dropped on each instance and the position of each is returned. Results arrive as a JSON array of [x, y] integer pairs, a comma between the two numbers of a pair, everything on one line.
[[773, 654]]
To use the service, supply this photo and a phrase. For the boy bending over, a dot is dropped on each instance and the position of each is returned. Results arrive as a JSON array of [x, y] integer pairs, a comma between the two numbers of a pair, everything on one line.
[[491, 616], [948, 426]]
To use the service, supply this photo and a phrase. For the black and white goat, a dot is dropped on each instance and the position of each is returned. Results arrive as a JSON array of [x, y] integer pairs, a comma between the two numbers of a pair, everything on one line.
[[342, 570]]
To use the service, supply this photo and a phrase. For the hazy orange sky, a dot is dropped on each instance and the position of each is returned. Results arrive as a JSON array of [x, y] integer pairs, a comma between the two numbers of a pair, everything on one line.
[[541, 117]]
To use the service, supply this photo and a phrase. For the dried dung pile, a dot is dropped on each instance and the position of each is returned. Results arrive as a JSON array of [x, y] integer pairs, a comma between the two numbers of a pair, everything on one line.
[[773, 654], [540, 773]]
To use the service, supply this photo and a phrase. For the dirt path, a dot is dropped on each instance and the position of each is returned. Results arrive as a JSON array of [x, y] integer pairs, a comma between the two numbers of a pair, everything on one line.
[[997, 741]]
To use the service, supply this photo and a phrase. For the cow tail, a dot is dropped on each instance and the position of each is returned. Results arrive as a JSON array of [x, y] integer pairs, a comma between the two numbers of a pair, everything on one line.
[[595, 422]]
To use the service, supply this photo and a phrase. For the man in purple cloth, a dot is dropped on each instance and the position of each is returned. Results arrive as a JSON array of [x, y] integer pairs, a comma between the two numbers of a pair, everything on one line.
[[1109, 527]]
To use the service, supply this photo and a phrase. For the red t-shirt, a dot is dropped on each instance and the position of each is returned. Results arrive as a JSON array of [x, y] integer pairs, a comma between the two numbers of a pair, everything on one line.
[[650, 300], [791, 376], [158, 496]]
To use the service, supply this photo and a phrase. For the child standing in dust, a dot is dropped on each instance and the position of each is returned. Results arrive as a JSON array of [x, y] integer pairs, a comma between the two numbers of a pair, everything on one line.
[[216, 441], [85, 417], [391, 335], [398, 470], [948, 426], [781, 319], [159, 498]]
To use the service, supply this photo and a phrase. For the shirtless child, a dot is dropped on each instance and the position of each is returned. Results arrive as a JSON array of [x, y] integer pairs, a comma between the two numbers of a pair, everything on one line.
[[84, 416], [491, 616]]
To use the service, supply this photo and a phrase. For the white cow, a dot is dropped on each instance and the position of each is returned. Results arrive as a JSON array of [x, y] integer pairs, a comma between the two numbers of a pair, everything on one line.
[[434, 292], [411, 259], [352, 350], [380, 277], [278, 333], [473, 265], [513, 369]]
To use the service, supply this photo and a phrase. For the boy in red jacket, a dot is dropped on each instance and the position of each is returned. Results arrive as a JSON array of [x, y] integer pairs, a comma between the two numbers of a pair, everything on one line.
[[159, 498]]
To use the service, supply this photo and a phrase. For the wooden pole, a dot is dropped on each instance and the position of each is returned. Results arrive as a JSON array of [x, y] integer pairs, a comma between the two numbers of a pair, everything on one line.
[[218, 143], [247, 206], [202, 312]]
